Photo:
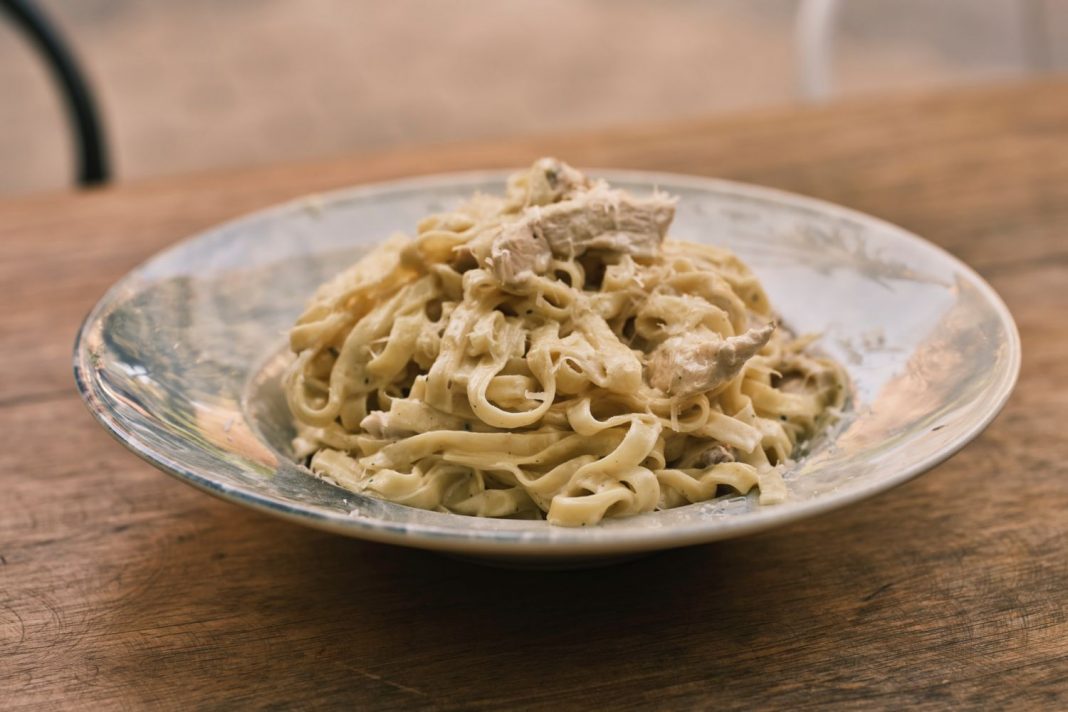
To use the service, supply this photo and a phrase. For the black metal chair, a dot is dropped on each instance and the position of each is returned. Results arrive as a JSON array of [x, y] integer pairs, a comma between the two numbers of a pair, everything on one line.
[[93, 166]]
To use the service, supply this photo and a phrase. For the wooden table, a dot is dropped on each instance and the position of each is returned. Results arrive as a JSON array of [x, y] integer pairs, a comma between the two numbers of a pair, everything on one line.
[[122, 587]]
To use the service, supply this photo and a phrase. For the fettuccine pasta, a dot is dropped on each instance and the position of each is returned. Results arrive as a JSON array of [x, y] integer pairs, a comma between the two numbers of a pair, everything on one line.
[[550, 354]]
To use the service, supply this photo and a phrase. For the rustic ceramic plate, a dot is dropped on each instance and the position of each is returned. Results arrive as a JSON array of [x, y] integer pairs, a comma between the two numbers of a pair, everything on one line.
[[181, 359]]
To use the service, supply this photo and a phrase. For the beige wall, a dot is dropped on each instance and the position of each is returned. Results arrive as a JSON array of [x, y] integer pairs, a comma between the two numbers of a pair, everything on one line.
[[201, 84]]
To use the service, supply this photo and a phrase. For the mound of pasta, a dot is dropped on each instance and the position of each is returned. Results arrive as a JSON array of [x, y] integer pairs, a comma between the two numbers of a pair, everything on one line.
[[549, 353]]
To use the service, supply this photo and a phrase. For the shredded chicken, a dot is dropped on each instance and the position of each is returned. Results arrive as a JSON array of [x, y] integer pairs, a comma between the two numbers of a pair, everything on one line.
[[715, 455], [688, 364], [707, 457], [605, 219], [516, 254], [599, 218], [548, 181]]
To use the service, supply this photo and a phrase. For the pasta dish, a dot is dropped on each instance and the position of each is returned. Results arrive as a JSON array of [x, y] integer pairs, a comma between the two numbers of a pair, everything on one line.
[[551, 353]]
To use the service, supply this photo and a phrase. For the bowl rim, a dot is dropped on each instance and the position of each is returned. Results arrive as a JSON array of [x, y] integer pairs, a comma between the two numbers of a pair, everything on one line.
[[568, 543]]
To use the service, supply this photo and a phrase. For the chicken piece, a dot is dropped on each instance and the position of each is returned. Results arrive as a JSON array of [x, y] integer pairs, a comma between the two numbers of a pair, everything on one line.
[[703, 459], [604, 219], [715, 455], [516, 255], [547, 181], [599, 219], [586, 217], [688, 364]]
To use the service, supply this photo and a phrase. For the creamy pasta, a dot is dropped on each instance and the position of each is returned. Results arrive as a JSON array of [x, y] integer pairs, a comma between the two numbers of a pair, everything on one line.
[[549, 353]]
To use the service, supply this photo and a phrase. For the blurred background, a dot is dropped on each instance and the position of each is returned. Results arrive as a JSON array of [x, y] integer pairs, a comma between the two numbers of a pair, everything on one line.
[[196, 85]]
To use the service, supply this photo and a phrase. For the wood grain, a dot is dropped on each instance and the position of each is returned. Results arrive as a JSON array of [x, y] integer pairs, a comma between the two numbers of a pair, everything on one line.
[[123, 588]]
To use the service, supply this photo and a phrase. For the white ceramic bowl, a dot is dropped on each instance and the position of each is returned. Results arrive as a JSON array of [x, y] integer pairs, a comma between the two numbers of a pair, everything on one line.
[[180, 359]]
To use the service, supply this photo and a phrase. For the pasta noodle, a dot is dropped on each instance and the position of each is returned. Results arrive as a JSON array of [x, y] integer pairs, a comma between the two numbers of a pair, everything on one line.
[[549, 353]]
